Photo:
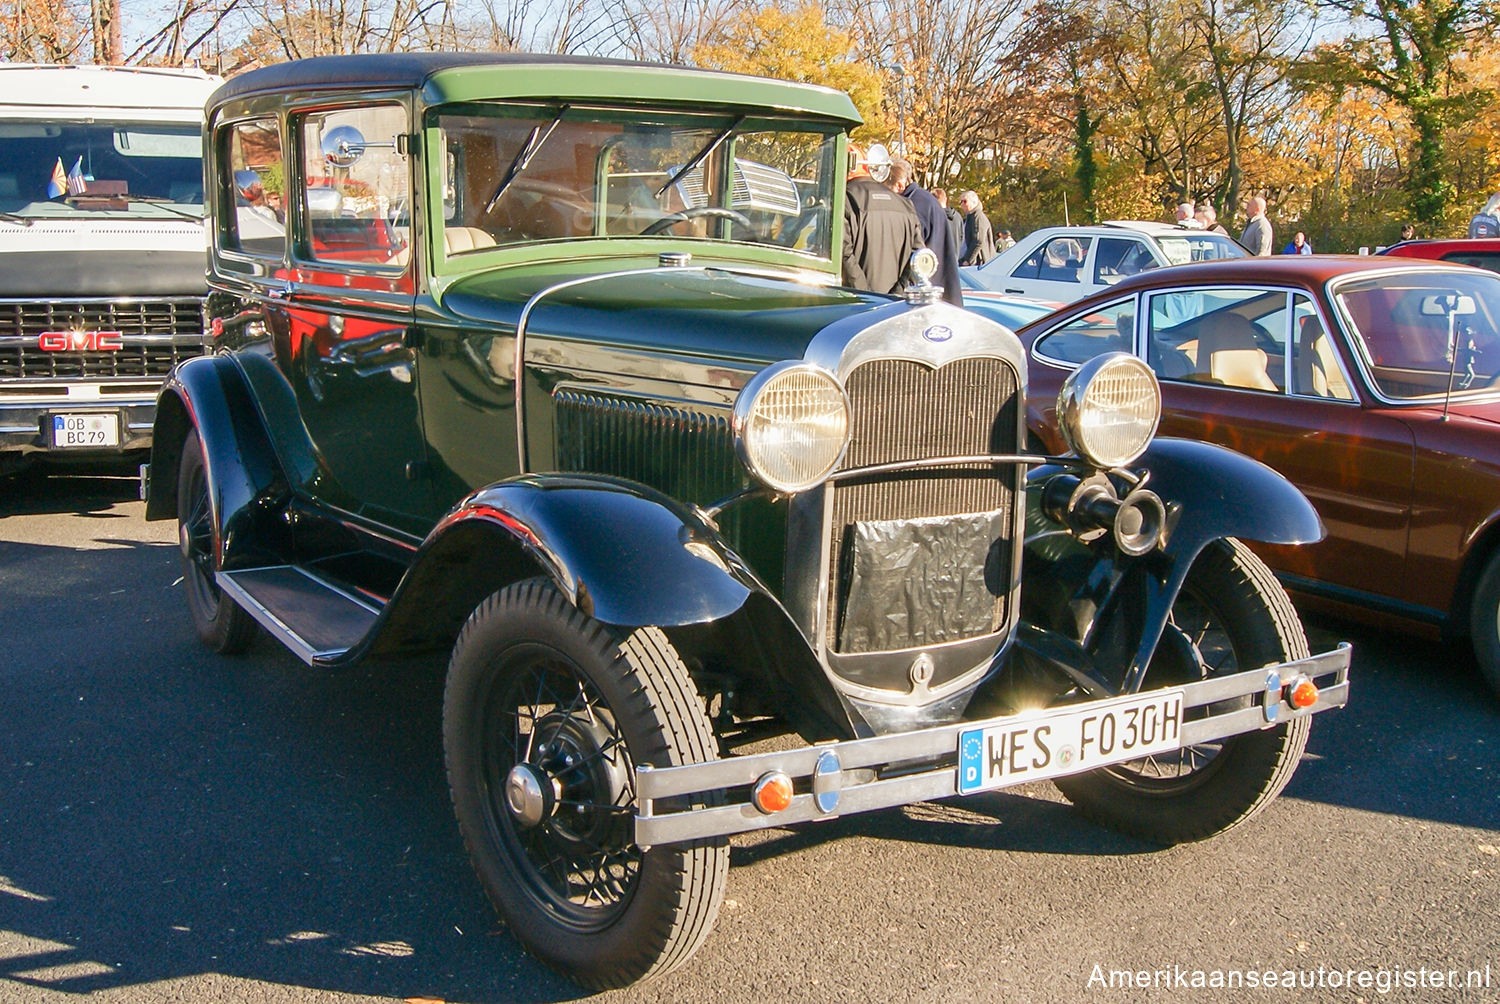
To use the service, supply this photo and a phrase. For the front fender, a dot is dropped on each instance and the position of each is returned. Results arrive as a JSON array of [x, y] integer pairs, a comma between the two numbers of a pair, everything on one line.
[[625, 555], [1108, 610]]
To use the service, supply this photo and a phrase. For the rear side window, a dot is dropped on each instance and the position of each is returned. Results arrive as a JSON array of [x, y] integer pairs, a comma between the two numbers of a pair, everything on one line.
[[1117, 258], [253, 217], [1108, 329], [1479, 259]]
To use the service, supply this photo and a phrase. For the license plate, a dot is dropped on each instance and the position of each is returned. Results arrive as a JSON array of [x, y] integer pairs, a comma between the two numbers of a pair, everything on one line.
[[1069, 741], [72, 431]]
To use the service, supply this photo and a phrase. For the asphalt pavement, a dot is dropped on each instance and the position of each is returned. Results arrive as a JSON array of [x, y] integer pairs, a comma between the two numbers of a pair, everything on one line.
[[179, 826]]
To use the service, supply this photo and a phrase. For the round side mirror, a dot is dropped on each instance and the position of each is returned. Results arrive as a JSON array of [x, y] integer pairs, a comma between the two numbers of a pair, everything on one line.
[[343, 146]]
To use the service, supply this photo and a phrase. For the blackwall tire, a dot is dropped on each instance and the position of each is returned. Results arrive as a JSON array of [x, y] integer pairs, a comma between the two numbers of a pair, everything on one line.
[[1239, 618], [1484, 624], [537, 688], [219, 622]]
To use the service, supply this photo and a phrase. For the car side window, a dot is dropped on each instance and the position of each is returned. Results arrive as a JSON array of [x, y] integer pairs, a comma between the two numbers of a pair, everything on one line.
[[1229, 337], [1479, 259], [1316, 371], [254, 207], [1118, 257], [1058, 260], [356, 185], [1108, 329]]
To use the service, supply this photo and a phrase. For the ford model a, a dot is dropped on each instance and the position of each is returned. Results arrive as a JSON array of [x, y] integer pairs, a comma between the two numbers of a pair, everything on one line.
[[544, 364]]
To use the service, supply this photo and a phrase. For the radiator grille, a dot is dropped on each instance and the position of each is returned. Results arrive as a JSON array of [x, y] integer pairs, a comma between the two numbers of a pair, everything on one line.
[[906, 411], [157, 334]]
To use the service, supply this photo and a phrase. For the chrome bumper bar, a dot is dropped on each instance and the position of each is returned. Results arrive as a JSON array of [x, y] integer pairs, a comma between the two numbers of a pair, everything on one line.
[[827, 787]]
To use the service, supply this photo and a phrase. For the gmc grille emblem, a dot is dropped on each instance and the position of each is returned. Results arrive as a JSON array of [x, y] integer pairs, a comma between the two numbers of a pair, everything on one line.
[[81, 341]]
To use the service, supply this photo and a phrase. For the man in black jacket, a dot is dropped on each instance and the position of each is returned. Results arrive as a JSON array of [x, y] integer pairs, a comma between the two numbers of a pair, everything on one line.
[[979, 236], [881, 229], [935, 232]]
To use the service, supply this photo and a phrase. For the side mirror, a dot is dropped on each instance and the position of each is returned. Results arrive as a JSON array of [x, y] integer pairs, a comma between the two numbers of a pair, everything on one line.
[[343, 146]]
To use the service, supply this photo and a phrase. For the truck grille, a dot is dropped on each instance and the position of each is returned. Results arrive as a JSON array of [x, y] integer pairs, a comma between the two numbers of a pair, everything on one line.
[[906, 411], [157, 334]]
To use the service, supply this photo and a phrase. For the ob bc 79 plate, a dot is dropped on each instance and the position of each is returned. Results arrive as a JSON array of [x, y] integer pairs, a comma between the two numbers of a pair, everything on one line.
[[1066, 742], [89, 430]]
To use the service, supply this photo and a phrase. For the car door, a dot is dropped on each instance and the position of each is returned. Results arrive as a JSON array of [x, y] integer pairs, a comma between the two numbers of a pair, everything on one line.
[[341, 320], [1234, 367]]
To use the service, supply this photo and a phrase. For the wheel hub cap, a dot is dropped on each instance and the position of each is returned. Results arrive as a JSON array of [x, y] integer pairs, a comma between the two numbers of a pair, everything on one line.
[[529, 795]]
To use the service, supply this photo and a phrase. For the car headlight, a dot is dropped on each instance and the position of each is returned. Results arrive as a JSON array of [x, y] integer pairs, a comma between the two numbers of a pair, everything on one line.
[[791, 425], [1108, 409]]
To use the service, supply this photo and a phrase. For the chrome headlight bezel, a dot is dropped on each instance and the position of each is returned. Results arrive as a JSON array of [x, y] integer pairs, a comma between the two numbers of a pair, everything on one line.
[[1098, 425], [830, 407]]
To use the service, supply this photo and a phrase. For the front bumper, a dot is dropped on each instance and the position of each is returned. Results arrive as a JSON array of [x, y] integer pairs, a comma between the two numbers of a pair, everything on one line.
[[829, 778], [25, 427]]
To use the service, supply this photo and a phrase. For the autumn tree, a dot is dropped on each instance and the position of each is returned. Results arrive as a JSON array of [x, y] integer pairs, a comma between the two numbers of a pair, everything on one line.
[[1409, 52], [43, 31]]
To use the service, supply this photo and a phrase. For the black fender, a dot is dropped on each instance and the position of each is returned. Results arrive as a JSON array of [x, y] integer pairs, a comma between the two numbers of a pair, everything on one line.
[[625, 555], [1083, 603], [246, 482]]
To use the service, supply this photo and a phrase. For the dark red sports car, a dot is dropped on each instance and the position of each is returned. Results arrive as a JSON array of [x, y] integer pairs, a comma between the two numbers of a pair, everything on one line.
[[1482, 252], [1372, 383]]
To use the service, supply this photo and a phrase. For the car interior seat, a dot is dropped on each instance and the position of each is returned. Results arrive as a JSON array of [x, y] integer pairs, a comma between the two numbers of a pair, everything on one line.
[[456, 239], [1228, 354]]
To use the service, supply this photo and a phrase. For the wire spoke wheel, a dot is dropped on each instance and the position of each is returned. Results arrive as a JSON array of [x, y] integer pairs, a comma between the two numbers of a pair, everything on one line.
[[1231, 616], [217, 619], [546, 715]]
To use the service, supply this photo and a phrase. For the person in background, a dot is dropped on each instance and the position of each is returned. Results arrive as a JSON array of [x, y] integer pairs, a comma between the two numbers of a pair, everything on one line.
[[935, 232], [881, 229], [1486, 223], [1208, 219], [979, 237], [1299, 245], [1257, 234], [1186, 216], [1408, 232], [1004, 241], [955, 218]]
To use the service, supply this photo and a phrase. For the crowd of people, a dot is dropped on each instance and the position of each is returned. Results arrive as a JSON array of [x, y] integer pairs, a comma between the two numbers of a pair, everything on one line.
[[887, 216]]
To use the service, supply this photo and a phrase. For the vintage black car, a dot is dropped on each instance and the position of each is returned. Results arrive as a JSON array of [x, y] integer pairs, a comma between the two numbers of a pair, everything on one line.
[[543, 362]]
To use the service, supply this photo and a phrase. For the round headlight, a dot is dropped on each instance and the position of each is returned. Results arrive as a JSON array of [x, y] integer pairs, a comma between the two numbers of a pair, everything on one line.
[[1108, 409], [791, 425]]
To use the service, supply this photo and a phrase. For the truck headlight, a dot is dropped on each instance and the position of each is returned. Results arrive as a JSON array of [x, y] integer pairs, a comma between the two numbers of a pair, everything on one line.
[[791, 425], [1108, 409]]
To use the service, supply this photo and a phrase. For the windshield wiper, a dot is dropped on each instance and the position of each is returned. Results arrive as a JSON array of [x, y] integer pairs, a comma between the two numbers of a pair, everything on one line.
[[700, 156], [166, 203], [24, 221], [523, 158]]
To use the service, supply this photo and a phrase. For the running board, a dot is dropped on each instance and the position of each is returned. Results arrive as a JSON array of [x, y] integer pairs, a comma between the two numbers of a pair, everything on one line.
[[309, 615]]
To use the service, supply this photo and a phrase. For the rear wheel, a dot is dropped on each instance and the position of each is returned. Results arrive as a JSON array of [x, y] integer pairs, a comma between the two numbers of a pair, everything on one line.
[[220, 622], [1232, 615], [546, 714]]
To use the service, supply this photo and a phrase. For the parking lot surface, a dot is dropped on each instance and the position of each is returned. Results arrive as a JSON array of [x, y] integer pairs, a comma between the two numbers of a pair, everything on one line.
[[179, 826]]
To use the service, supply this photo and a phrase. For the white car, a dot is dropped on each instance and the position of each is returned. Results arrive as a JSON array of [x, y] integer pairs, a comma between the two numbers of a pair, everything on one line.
[[1066, 263]]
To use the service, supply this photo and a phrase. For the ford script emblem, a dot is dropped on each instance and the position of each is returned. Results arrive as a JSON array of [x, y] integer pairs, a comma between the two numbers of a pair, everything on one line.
[[938, 333]]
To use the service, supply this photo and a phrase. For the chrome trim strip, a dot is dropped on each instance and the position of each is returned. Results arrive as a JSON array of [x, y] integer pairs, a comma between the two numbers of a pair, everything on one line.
[[653, 827]]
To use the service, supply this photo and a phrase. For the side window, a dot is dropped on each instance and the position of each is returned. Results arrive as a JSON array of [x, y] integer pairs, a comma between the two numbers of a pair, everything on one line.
[[1230, 337], [1108, 329], [1315, 365], [1058, 260], [356, 185], [1117, 258], [1479, 259], [254, 217]]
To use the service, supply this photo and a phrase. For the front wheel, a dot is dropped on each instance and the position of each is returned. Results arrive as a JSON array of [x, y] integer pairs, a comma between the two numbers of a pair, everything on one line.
[[1484, 624], [1232, 615], [546, 713]]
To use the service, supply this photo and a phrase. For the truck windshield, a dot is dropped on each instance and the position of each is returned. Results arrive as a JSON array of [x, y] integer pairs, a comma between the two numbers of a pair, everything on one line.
[[517, 175], [139, 168]]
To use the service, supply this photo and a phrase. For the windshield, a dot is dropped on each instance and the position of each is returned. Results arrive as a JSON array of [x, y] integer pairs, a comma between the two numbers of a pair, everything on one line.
[[1413, 330], [516, 175], [60, 169], [1180, 249]]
